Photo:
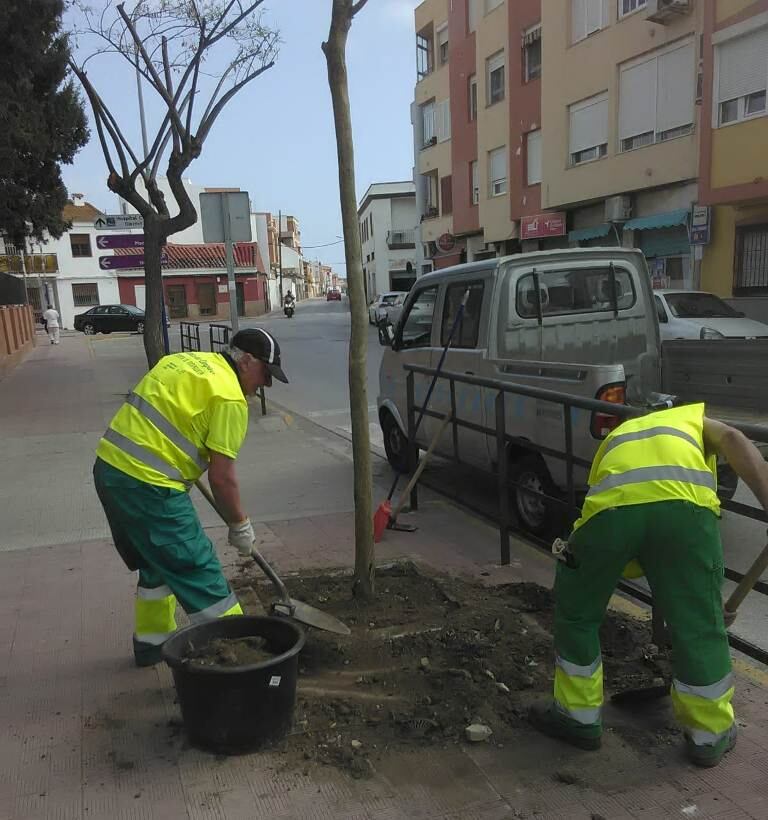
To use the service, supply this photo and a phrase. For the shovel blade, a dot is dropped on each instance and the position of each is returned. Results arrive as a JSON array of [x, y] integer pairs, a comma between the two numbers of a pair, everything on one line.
[[311, 616]]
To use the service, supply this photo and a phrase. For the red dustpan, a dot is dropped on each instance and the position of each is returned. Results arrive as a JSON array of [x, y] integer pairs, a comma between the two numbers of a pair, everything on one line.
[[381, 519]]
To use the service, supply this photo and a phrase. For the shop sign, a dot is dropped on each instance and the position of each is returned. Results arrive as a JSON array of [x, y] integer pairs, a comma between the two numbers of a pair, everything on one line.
[[542, 225], [445, 242]]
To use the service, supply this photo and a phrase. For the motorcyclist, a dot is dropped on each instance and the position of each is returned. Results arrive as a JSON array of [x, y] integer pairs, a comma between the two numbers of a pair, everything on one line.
[[289, 299]]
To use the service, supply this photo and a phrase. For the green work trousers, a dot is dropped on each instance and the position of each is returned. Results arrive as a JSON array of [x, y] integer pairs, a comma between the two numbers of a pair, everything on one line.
[[156, 530], [678, 546]]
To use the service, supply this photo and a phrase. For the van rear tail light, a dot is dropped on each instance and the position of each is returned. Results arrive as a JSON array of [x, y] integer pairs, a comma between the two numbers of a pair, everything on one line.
[[603, 423]]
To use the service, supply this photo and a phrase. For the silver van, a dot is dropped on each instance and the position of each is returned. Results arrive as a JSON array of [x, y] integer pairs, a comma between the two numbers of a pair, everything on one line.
[[578, 321]]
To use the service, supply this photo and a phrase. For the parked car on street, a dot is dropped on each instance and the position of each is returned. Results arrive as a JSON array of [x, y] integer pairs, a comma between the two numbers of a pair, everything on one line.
[[333, 295], [696, 314], [387, 305], [109, 318]]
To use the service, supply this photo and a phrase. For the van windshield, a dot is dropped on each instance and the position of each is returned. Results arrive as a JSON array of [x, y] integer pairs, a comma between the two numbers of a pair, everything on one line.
[[699, 306]]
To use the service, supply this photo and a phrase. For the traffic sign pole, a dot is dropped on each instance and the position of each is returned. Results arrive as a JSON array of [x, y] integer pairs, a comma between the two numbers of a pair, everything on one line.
[[230, 254]]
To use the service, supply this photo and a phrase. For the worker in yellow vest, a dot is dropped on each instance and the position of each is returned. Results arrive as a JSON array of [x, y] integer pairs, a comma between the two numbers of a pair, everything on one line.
[[187, 415], [652, 502]]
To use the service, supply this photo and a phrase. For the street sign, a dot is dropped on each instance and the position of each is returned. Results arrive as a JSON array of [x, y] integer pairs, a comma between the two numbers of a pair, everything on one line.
[[114, 222], [213, 210], [700, 225], [115, 262], [542, 225], [120, 240]]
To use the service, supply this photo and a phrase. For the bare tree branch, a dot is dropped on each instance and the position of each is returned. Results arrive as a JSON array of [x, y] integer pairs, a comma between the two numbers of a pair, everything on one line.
[[357, 7]]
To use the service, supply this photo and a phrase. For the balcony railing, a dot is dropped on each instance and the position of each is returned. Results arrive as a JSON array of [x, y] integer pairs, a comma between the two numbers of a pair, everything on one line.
[[401, 239]]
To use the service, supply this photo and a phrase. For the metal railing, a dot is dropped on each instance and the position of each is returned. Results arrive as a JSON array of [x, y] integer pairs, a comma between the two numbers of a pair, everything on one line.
[[219, 339], [401, 239], [505, 440], [190, 336]]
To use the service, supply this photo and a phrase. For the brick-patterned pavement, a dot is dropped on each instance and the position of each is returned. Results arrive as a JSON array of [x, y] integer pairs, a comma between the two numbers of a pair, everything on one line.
[[84, 734]]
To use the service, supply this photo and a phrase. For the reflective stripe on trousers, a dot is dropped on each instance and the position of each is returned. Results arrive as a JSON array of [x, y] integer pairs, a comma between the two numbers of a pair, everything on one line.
[[705, 712], [155, 615], [579, 690], [221, 609]]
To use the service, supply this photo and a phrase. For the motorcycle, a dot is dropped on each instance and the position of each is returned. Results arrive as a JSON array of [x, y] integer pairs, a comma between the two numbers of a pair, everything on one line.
[[289, 308]]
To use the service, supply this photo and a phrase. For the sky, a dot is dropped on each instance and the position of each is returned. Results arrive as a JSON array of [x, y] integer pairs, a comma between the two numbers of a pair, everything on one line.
[[276, 138]]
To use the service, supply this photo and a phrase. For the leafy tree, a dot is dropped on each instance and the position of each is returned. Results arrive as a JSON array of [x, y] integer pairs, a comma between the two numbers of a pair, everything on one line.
[[42, 122]]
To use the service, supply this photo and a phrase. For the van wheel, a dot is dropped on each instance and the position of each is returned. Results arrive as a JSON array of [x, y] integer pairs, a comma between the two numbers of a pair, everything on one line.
[[529, 482], [395, 443]]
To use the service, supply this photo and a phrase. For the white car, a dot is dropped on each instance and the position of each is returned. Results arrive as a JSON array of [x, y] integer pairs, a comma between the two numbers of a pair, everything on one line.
[[696, 314], [387, 305]]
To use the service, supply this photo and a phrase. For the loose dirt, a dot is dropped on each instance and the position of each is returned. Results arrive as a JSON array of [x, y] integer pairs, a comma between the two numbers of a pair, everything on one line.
[[429, 656], [230, 652]]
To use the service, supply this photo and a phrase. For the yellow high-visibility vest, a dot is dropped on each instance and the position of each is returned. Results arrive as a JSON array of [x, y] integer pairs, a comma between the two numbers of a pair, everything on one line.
[[159, 435], [658, 457]]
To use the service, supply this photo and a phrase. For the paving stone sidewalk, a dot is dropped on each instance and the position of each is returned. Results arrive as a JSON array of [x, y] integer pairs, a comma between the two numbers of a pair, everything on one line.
[[84, 734]]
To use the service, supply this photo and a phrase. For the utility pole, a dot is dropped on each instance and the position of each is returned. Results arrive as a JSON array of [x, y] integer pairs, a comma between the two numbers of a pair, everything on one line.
[[280, 251], [230, 253]]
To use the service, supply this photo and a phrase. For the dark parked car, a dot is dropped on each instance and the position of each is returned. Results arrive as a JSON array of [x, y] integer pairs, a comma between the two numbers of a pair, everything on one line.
[[333, 295], [106, 318]]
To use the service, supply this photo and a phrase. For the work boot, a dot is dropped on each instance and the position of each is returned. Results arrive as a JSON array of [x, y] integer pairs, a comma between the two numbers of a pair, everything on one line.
[[146, 654], [547, 718], [710, 755]]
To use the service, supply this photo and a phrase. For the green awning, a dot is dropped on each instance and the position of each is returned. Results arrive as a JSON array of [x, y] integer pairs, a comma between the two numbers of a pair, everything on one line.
[[590, 233], [669, 219]]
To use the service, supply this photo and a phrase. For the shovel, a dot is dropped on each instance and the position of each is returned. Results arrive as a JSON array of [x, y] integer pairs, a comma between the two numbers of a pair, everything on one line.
[[648, 693], [290, 607]]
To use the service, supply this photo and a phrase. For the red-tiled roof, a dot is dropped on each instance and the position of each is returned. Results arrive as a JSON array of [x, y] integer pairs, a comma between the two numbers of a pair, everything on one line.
[[211, 255], [80, 213]]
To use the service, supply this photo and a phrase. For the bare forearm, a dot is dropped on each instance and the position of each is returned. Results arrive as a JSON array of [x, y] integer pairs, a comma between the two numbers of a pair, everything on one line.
[[748, 463], [227, 494]]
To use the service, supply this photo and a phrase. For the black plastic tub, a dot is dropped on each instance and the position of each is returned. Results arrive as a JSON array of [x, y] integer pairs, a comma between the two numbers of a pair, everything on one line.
[[233, 710]]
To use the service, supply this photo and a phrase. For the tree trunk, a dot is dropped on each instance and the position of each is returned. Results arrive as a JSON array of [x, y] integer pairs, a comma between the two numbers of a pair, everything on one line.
[[334, 50], [153, 325]]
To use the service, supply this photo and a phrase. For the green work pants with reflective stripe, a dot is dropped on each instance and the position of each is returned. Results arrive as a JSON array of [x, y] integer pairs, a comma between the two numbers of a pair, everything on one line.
[[678, 546], [156, 530]]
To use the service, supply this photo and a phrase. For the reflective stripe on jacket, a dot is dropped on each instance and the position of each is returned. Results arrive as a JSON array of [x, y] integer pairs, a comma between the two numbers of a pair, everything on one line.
[[658, 457], [158, 436]]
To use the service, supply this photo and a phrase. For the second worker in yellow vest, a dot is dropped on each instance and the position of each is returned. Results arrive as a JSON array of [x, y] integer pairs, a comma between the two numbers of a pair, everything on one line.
[[653, 507], [187, 415]]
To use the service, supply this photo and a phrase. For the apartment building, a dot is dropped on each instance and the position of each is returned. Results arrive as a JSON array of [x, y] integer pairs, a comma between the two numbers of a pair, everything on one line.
[[734, 159], [572, 122], [387, 220]]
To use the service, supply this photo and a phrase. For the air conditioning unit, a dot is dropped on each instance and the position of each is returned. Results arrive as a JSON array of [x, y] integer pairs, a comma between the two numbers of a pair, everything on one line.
[[663, 11], [618, 208]]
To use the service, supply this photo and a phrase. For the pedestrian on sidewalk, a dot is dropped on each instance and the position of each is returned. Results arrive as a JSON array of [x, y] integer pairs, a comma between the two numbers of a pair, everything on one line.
[[187, 415], [652, 509], [51, 320]]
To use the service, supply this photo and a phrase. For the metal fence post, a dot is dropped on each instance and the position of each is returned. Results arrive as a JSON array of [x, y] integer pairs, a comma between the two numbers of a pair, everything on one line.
[[568, 421], [413, 453], [503, 475]]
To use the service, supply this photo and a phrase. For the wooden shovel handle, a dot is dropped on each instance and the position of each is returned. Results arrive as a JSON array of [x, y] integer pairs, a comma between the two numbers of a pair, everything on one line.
[[753, 574]]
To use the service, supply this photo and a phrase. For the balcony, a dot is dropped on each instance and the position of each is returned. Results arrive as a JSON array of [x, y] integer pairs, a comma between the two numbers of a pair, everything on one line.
[[400, 240]]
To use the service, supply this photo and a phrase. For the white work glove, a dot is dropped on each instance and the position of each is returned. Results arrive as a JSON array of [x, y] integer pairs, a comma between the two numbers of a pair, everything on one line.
[[241, 536]]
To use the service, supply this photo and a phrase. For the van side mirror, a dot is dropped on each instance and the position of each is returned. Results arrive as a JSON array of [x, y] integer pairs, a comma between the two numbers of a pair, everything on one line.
[[386, 332]]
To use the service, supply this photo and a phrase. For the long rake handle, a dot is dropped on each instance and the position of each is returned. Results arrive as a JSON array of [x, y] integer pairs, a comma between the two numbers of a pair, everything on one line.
[[759, 565]]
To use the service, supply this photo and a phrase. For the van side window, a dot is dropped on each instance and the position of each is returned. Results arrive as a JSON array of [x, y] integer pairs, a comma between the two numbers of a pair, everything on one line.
[[416, 329], [468, 331], [587, 290]]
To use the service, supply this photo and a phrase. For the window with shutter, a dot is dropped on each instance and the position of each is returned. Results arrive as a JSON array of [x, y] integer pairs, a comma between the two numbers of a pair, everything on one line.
[[446, 195], [657, 97], [742, 77], [442, 116], [442, 44], [473, 98], [532, 53], [533, 157], [588, 139], [474, 182], [497, 171], [587, 17], [494, 78]]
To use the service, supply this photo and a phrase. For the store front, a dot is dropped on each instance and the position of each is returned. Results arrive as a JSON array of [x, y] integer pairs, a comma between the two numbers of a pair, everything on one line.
[[664, 240]]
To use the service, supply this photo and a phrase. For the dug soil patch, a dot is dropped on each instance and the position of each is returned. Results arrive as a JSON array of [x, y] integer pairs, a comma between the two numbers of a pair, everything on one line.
[[428, 657], [230, 652]]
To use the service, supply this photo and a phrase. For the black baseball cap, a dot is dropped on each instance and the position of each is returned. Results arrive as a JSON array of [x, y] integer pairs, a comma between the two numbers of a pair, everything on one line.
[[261, 345]]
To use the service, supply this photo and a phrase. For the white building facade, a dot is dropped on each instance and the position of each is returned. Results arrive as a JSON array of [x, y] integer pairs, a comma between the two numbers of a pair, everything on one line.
[[388, 234]]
